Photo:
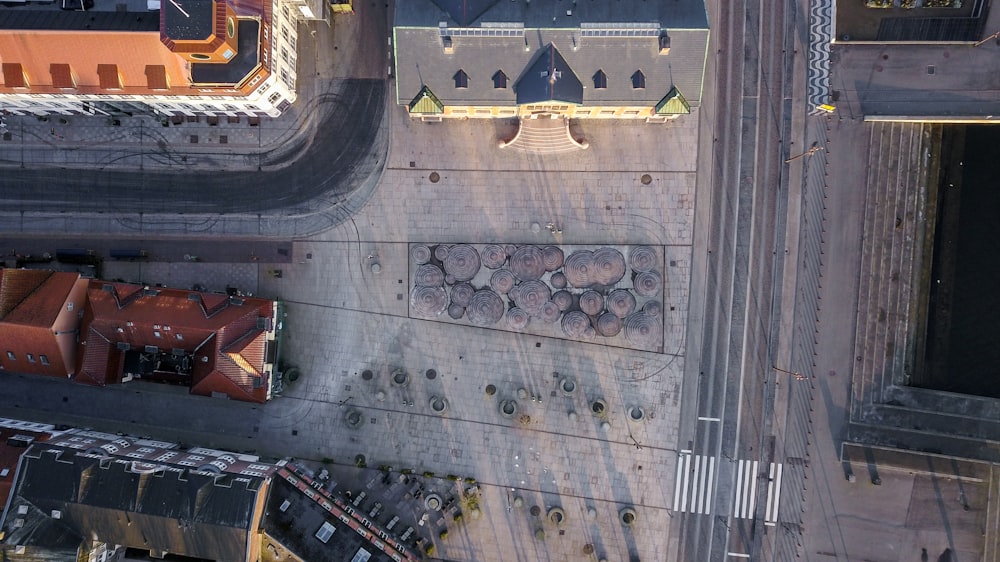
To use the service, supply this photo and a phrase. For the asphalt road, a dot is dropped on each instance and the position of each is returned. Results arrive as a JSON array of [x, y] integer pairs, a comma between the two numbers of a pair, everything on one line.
[[745, 227]]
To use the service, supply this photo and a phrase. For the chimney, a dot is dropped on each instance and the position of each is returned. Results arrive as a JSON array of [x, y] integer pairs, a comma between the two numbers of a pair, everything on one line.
[[664, 43]]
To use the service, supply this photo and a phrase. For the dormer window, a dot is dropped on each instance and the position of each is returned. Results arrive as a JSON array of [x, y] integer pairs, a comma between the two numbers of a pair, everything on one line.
[[461, 79], [600, 80], [500, 80], [638, 80]]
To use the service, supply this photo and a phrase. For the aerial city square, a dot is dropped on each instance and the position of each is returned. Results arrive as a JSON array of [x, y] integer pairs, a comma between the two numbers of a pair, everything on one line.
[[499, 280]]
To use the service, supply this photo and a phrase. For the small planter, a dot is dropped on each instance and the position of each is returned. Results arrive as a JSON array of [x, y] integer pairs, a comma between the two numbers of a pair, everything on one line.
[[599, 407], [636, 414], [556, 515], [508, 408], [354, 419], [438, 405], [433, 502], [567, 385], [627, 516], [400, 378], [540, 534]]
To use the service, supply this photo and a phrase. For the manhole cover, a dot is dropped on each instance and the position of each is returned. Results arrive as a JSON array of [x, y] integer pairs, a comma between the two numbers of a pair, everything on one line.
[[491, 390], [431, 374], [646, 179], [535, 510], [435, 177], [367, 375]]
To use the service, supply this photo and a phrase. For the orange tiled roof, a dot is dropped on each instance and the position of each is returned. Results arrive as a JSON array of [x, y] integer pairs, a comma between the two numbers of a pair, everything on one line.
[[16, 285], [225, 333], [130, 51]]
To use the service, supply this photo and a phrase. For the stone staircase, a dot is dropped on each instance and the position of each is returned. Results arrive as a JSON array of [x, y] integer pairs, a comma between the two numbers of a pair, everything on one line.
[[900, 217], [896, 226], [544, 135]]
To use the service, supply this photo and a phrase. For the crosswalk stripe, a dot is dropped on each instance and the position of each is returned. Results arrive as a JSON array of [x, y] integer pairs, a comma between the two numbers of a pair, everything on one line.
[[677, 485], [738, 504], [745, 498], [684, 498], [693, 483]]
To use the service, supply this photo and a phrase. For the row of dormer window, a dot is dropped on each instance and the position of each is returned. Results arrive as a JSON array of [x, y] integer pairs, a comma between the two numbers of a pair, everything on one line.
[[63, 77], [600, 79]]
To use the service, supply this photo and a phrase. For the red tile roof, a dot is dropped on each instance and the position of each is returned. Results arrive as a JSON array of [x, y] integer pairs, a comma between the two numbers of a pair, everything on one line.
[[220, 333], [38, 320]]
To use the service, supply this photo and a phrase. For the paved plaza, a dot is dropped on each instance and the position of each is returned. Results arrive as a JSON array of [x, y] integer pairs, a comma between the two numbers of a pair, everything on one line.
[[346, 317]]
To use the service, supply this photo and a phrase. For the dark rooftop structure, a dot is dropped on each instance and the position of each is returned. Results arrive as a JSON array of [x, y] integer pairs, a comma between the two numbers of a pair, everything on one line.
[[188, 19], [239, 67], [142, 505], [549, 78], [305, 529]]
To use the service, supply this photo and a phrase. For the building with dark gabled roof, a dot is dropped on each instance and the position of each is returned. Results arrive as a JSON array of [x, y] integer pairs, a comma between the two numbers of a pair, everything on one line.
[[68, 501], [218, 345], [572, 59], [39, 318]]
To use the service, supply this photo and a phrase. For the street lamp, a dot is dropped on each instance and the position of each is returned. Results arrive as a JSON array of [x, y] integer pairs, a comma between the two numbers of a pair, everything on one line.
[[810, 152], [795, 375]]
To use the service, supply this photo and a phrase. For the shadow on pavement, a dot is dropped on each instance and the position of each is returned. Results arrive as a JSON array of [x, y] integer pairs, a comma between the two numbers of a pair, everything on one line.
[[347, 151]]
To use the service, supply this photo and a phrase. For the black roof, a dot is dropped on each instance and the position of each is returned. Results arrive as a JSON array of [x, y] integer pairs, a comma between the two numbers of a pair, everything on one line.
[[139, 505], [234, 71], [60, 20], [549, 78], [187, 19]]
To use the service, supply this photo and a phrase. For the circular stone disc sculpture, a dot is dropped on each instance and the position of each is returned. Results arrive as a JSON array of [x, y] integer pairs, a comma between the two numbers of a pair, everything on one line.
[[653, 308], [462, 262], [527, 264], [643, 330], [642, 258], [420, 254], [609, 267], [455, 311], [549, 312], [428, 275], [530, 296], [517, 319], [428, 302], [609, 324], [577, 268], [552, 257], [563, 299], [486, 308], [502, 281], [575, 324], [494, 256], [558, 281], [591, 303], [620, 302], [441, 252], [461, 294], [647, 284]]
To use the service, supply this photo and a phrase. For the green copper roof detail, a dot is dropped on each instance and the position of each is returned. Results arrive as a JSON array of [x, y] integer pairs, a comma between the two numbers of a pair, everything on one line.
[[673, 104], [426, 103]]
